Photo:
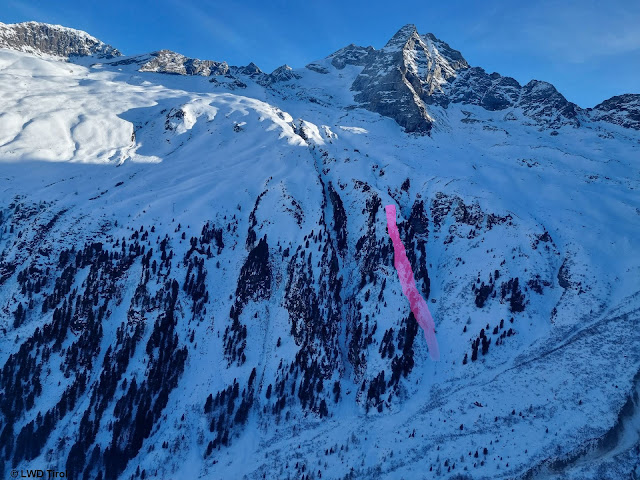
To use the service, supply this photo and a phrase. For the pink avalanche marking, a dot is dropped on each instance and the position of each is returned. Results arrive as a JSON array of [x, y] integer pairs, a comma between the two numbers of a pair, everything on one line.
[[405, 274]]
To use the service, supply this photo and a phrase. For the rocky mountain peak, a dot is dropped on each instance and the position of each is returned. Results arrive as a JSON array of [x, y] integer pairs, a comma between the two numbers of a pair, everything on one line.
[[250, 70], [408, 39], [45, 39], [413, 75], [623, 110], [350, 55], [453, 57], [283, 73], [166, 61], [542, 101], [398, 80], [402, 37]]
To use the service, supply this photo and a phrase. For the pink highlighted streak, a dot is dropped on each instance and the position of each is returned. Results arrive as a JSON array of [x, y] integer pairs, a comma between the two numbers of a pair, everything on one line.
[[405, 274]]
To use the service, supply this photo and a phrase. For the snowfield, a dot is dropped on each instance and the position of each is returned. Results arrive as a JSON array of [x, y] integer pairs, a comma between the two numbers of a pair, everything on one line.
[[243, 247]]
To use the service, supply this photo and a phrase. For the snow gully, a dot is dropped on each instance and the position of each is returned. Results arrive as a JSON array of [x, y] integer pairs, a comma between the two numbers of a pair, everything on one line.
[[405, 274]]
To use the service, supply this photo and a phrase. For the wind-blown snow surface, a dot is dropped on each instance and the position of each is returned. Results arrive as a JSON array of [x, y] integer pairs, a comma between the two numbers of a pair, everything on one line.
[[198, 281]]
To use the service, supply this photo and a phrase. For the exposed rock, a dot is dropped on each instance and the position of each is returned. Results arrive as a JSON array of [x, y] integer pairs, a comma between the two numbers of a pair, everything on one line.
[[250, 70], [623, 110], [542, 102], [166, 61], [350, 55], [280, 74], [412, 72], [397, 80], [539, 101], [476, 87], [339, 220], [42, 38], [317, 68]]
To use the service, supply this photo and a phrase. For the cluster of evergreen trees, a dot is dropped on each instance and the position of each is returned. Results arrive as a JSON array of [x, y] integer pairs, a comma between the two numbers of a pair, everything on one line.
[[75, 333]]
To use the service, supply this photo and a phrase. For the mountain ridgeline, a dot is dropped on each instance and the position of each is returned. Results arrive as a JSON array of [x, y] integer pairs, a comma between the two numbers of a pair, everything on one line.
[[401, 80]]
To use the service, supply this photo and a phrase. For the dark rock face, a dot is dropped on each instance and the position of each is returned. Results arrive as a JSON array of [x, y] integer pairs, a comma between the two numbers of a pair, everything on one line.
[[350, 55], [416, 232], [339, 220], [317, 68], [166, 61], [623, 110], [542, 102], [395, 98], [397, 80], [34, 37], [412, 72], [493, 92], [539, 101], [280, 74], [250, 70]]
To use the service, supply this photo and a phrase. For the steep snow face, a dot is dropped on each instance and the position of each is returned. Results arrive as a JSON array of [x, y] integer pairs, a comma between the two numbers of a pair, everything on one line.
[[196, 278], [42, 38]]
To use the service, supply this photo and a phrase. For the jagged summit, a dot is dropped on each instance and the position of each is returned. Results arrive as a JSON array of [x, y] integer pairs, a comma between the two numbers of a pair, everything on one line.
[[623, 110], [408, 38], [170, 62], [401, 37], [454, 57], [45, 39], [414, 74], [250, 70], [166, 61], [398, 80], [283, 73], [350, 55]]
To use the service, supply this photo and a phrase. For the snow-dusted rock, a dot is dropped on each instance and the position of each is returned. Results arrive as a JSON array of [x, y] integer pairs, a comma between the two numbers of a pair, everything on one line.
[[42, 38], [166, 61], [397, 80], [623, 110]]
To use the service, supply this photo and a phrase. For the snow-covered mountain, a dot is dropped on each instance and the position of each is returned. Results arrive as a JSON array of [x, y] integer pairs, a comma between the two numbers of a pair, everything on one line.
[[196, 277]]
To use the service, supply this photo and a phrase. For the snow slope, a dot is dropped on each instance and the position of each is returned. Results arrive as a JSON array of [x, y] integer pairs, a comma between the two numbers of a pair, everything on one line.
[[196, 276]]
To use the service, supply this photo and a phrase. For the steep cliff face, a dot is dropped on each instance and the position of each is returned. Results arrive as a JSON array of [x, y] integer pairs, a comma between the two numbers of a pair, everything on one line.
[[397, 80], [166, 61], [623, 110], [42, 38], [194, 281], [413, 72]]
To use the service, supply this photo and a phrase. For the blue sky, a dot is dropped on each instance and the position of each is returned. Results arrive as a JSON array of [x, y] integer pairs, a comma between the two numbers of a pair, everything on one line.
[[589, 50]]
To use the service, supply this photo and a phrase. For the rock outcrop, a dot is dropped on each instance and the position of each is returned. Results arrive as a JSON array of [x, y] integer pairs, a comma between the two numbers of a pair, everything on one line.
[[45, 39]]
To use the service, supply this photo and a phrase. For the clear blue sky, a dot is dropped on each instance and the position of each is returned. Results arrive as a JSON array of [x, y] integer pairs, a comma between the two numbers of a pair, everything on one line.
[[590, 50]]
